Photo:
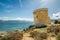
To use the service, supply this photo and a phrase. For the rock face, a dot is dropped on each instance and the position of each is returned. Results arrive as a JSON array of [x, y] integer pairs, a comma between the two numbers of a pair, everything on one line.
[[41, 16]]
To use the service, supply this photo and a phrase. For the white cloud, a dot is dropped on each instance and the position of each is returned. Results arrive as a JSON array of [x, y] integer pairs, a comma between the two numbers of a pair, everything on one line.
[[43, 1], [5, 18], [56, 15], [24, 19], [0, 17], [46, 2], [21, 5], [36, 3], [18, 18]]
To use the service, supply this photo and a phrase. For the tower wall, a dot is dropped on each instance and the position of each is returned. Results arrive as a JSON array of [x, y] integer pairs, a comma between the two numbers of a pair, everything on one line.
[[41, 16]]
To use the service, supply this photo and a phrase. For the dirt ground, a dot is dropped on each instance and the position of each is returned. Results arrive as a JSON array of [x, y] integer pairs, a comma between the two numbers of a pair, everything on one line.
[[26, 36]]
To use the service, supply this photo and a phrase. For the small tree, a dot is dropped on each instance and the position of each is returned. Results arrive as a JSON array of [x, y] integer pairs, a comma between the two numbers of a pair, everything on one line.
[[56, 21]]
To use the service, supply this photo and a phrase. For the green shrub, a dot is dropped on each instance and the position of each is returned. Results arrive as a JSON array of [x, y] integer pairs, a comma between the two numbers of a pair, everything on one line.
[[57, 22]]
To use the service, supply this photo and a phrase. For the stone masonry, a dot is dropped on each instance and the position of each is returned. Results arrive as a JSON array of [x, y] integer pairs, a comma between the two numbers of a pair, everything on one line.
[[41, 16]]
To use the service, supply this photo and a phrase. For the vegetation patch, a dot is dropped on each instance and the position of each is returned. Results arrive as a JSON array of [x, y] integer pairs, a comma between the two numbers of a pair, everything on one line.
[[38, 36], [15, 35]]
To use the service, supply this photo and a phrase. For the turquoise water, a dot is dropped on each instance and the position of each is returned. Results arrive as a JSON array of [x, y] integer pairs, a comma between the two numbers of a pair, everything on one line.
[[14, 25]]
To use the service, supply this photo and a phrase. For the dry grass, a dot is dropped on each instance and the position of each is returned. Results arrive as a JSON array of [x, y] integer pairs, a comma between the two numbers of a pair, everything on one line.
[[15, 35], [38, 36]]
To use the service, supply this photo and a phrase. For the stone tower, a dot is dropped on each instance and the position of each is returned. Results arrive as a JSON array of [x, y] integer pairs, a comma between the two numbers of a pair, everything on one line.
[[41, 16]]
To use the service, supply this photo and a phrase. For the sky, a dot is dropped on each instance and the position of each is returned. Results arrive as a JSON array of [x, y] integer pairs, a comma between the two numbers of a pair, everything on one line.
[[23, 9]]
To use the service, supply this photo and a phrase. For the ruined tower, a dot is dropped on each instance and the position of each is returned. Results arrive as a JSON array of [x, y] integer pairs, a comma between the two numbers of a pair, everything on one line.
[[41, 16]]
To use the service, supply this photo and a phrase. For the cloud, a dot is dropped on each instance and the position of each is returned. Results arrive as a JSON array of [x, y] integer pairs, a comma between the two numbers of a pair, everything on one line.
[[21, 5], [18, 18], [24, 19], [0, 18], [3, 18], [42, 3], [56, 15], [46, 2]]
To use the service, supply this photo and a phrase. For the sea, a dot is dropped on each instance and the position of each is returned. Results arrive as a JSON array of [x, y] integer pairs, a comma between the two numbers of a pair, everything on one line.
[[14, 25]]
